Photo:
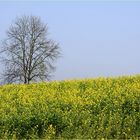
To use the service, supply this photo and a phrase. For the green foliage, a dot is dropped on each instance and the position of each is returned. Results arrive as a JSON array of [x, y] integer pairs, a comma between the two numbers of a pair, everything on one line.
[[106, 108]]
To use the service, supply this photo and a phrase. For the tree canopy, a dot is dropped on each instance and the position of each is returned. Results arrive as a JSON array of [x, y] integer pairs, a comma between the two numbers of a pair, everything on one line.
[[28, 53]]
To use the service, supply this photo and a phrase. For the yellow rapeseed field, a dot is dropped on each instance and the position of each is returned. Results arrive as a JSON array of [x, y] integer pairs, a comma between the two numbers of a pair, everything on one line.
[[102, 108]]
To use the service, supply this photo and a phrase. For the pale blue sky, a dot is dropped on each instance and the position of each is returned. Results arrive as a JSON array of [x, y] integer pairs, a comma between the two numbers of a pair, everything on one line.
[[96, 38]]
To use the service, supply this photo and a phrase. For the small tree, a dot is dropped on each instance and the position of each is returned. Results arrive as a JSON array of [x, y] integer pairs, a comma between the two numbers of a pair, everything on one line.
[[28, 54]]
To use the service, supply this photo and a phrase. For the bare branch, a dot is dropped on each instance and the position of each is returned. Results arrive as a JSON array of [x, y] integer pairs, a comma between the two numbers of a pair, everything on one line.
[[29, 54]]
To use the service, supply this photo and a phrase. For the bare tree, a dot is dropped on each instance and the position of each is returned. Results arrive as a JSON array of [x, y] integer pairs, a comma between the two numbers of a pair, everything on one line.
[[28, 53]]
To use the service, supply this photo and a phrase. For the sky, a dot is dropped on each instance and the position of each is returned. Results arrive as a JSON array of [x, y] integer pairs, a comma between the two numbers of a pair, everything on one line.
[[97, 38]]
